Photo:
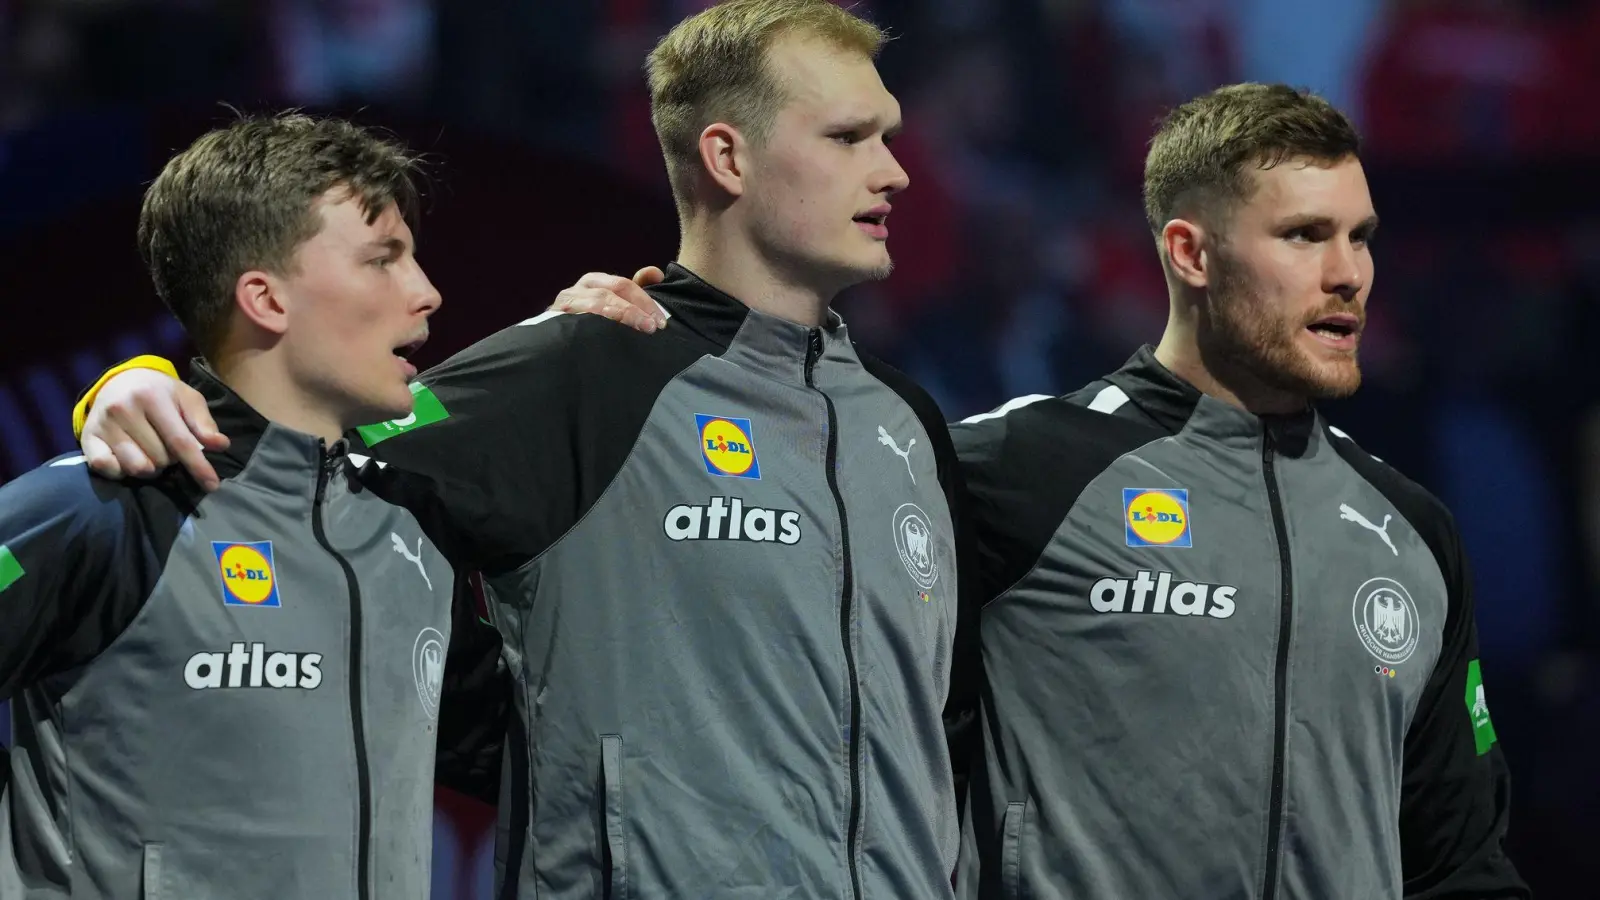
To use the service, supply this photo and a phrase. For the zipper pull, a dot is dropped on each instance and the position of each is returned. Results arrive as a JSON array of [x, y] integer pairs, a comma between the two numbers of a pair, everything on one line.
[[332, 456], [328, 459], [813, 352]]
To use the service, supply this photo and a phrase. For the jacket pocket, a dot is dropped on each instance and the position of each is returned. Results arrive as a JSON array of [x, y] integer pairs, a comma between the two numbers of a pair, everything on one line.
[[616, 847], [150, 877], [1011, 850]]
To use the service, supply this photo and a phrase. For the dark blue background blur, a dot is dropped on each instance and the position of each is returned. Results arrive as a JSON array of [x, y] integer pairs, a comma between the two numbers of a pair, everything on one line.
[[1023, 262]]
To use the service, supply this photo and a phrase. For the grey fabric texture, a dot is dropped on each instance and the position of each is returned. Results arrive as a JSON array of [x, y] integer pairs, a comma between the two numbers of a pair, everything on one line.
[[209, 752], [1130, 725], [680, 653]]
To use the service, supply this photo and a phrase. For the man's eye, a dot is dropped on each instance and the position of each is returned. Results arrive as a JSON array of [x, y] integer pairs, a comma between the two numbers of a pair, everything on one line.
[[847, 137]]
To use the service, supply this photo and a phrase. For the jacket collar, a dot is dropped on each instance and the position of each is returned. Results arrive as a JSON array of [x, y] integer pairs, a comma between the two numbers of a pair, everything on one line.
[[252, 435], [746, 336], [708, 311], [1175, 405]]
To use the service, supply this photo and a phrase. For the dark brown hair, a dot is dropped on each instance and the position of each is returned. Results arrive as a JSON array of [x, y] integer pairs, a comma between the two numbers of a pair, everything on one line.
[[244, 197]]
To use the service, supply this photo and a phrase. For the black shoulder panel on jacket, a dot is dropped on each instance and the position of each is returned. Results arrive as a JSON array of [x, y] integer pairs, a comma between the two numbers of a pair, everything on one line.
[[1127, 410], [538, 420], [1024, 471]]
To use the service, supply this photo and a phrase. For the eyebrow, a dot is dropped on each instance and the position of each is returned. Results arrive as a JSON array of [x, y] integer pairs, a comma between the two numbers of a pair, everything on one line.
[[865, 123], [1369, 224], [387, 244]]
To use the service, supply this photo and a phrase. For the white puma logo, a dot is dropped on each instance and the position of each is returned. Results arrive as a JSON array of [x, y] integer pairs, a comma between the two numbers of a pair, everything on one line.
[[887, 441], [401, 548], [1350, 515]]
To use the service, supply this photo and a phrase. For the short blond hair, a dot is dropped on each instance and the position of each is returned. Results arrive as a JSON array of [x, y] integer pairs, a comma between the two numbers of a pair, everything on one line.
[[1201, 157], [712, 67]]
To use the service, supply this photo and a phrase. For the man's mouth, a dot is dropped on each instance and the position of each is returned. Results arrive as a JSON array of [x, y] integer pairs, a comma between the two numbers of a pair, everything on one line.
[[874, 220], [1339, 330], [404, 351]]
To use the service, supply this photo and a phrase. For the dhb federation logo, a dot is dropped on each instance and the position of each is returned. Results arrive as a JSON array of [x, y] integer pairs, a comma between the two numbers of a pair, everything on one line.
[[1157, 517], [427, 669], [248, 578], [913, 537], [1386, 620], [728, 446]]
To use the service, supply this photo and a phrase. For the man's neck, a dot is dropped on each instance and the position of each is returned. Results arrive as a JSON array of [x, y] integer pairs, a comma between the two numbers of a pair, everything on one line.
[[1183, 357], [259, 381], [734, 267]]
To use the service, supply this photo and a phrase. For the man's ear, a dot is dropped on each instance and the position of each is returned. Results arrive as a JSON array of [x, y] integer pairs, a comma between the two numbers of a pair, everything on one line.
[[1186, 245], [724, 157], [259, 297]]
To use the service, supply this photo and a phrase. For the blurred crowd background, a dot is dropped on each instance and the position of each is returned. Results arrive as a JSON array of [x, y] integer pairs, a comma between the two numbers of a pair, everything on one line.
[[1023, 264]]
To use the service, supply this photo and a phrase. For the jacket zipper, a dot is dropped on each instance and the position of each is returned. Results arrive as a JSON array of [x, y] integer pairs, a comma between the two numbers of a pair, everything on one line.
[[330, 463], [1281, 675], [813, 353]]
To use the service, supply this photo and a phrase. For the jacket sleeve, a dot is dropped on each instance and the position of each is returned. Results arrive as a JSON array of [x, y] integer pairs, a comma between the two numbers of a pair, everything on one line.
[[74, 570], [1455, 790], [486, 456], [498, 464], [476, 704]]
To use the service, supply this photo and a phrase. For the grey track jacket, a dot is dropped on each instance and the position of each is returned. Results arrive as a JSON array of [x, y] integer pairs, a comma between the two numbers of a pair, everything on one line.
[[222, 696], [1227, 657], [723, 561]]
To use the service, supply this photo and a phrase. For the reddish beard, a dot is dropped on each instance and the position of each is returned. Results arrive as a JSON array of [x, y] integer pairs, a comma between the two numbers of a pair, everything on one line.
[[1254, 338]]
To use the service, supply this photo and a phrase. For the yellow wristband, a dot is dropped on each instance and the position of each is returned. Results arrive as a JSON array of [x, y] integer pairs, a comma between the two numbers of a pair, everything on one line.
[[81, 411]]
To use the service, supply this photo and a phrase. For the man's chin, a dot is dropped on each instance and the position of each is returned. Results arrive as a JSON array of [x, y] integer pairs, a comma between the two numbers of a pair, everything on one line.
[[1324, 379], [837, 275], [386, 409], [881, 267], [873, 270]]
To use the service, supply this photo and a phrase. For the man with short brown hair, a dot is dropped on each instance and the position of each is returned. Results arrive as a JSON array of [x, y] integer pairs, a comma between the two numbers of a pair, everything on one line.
[[1228, 653], [235, 691]]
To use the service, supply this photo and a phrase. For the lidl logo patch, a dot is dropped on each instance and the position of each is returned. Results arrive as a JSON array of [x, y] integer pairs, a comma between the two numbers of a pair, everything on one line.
[[1157, 517], [10, 570], [728, 446], [426, 411], [248, 576]]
